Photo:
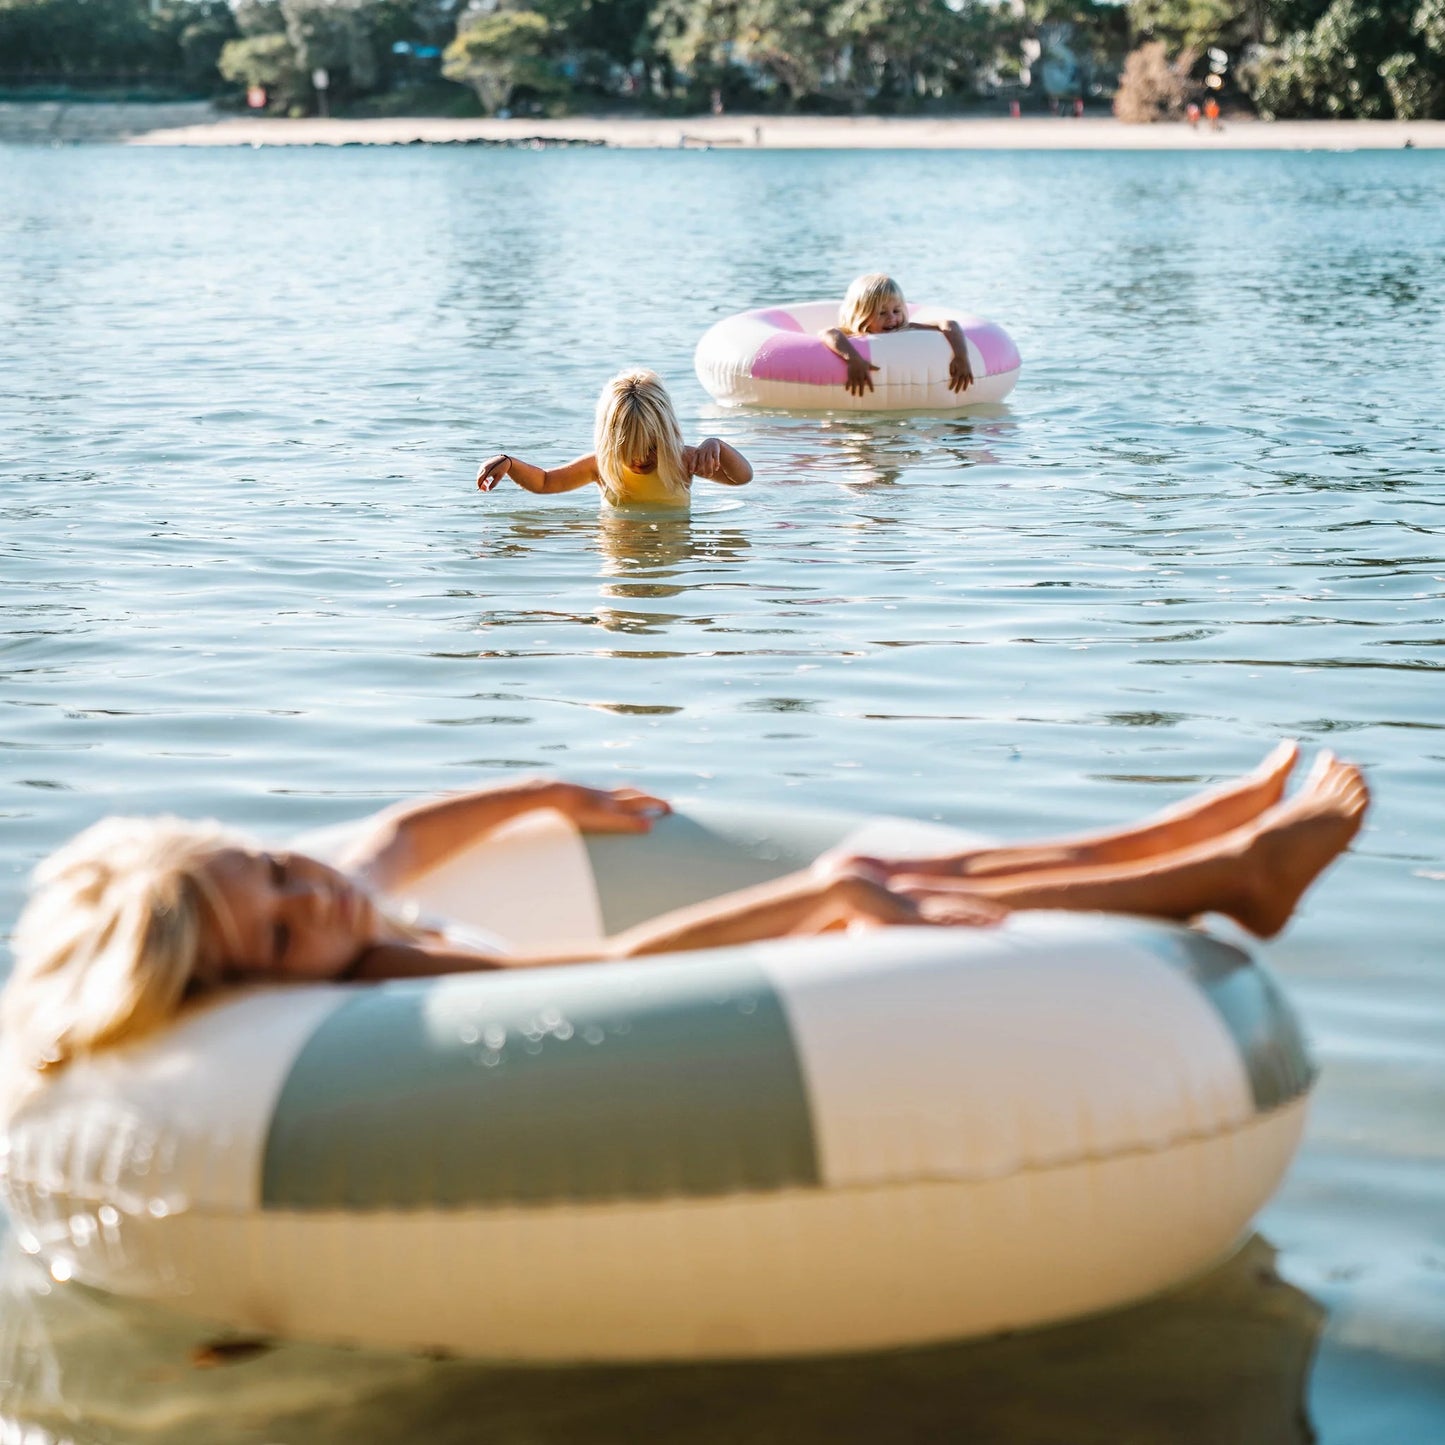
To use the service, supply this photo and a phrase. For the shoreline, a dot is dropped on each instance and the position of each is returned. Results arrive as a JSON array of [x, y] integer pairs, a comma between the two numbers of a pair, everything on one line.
[[197, 123]]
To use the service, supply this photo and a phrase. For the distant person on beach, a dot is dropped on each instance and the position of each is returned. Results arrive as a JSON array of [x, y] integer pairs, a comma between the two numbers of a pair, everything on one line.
[[1211, 112], [875, 305], [136, 916], [639, 459], [1191, 114]]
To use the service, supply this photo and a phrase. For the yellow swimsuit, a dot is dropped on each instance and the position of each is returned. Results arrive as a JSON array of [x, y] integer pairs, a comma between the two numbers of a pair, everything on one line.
[[645, 489]]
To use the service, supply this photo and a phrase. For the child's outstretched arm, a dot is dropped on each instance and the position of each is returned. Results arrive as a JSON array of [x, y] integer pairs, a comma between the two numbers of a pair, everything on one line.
[[536, 479], [859, 379], [718, 462], [960, 372]]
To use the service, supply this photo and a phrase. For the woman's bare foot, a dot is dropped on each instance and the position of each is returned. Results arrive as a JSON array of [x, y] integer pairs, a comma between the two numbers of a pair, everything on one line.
[[1296, 841], [1196, 820]]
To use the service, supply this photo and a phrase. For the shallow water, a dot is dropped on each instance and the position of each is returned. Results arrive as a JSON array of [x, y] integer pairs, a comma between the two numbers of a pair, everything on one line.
[[243, 395]]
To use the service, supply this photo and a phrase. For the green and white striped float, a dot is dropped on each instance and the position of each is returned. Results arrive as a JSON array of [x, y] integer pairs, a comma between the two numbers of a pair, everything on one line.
[[837, 1143]]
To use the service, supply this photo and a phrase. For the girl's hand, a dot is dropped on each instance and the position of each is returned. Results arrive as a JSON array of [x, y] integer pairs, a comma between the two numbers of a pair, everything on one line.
[[859, 379], [960, 373], [607, 810], [707, 458], [493, 471]]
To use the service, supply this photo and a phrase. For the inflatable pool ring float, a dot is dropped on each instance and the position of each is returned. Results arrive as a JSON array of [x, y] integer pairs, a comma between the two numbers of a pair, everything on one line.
[[827, 1144], [775, 357]]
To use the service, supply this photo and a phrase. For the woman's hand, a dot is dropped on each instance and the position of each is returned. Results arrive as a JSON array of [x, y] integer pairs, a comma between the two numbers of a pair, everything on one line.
[[607, 810], [707, 459], [960, 373], [859, 379], [493, 471], [947, 902]]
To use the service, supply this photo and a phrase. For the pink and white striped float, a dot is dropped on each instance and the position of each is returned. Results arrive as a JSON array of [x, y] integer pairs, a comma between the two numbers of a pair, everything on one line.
[[776, 357]]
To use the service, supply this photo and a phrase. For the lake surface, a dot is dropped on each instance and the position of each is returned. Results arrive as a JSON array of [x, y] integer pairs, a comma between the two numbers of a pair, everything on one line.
[[245, 573]]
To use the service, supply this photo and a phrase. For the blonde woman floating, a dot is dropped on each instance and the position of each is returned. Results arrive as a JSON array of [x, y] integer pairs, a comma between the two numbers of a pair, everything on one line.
[[640, 457], [873, 306], [135, 916]]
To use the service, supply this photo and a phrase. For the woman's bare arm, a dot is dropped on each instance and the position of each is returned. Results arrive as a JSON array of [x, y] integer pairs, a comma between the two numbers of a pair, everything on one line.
[[860, 370], [410, 839], [566, 478], [718, 462], [960, 369]]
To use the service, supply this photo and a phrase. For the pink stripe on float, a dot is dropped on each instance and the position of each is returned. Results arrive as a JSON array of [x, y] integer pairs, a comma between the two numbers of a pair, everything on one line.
[[792, 357], [994, 344], [776, 316]]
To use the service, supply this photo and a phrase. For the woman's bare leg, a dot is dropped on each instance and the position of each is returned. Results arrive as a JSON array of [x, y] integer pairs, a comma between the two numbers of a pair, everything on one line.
[[1206, 815], [1255, 874]]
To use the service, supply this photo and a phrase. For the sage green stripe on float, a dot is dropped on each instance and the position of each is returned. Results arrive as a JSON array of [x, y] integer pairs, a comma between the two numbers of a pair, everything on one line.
[[703, 851], [588, 1084], [1250, 1005]]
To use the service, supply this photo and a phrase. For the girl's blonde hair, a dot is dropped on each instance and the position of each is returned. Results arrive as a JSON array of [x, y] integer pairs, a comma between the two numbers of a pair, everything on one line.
[[109, 941], [634, 415], [864, 298]]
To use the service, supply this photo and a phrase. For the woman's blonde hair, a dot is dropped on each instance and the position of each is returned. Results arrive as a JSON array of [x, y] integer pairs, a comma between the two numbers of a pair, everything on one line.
[[634, 415], [110, 939], [864, 298]]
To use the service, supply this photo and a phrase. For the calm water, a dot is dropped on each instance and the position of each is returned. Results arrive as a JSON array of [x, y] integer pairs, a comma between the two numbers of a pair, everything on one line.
[[242, 397]]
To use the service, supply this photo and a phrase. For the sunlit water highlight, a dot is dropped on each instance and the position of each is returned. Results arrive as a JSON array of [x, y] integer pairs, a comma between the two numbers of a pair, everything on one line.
[[245, 573]]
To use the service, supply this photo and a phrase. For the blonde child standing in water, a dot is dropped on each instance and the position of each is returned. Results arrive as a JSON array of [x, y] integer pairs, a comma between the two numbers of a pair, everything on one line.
[[640, 457], [875, 305]]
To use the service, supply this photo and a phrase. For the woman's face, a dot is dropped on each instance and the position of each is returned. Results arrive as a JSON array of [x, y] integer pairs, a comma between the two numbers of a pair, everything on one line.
[[644, 464], [891, 314], [280, 916]]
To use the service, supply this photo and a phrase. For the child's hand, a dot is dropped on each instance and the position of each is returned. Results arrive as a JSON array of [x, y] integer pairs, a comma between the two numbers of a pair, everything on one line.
[[493, 471], [608, 810], [859, 380], [960, 373], [707, 458]]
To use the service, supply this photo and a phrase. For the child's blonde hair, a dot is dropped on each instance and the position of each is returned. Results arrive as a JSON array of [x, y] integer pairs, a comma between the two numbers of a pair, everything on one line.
[[864, 298], [109, 941], [634, 415]]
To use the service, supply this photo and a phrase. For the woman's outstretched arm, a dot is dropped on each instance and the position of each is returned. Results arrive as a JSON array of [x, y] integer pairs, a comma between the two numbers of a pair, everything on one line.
[[566, 478], [410, 839]]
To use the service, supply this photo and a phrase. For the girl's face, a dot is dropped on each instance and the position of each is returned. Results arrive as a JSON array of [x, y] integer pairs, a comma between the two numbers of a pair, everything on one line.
[[891, 314], [644, 464], [285, 916]]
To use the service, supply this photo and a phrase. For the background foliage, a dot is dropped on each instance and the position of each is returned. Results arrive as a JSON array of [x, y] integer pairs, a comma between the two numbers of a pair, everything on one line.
[[1346, 58]]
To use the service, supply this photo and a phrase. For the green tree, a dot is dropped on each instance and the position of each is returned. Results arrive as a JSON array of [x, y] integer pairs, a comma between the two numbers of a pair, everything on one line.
[[1343, 65], [335, 36], [903, 50], [268, 60], [499, 53]]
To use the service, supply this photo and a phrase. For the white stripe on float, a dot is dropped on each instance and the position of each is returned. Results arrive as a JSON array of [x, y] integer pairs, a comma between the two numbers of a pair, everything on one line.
[[530, 882], [973, 1054], [169, 1124]]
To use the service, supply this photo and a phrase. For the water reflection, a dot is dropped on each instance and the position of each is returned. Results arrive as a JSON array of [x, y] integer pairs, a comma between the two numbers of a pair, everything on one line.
[[1225, 1358], [879, 450]]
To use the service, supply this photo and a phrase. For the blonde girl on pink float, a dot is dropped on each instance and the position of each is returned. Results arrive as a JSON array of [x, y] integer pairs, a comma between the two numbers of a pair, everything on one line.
[[639, 457], [874, 306]]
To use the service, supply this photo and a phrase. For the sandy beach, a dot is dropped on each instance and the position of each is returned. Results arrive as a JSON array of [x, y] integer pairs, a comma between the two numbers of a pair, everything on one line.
[[199, 124]]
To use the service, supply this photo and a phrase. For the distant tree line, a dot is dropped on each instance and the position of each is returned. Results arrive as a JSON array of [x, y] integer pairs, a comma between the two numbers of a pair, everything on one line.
[[1152, 58]]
